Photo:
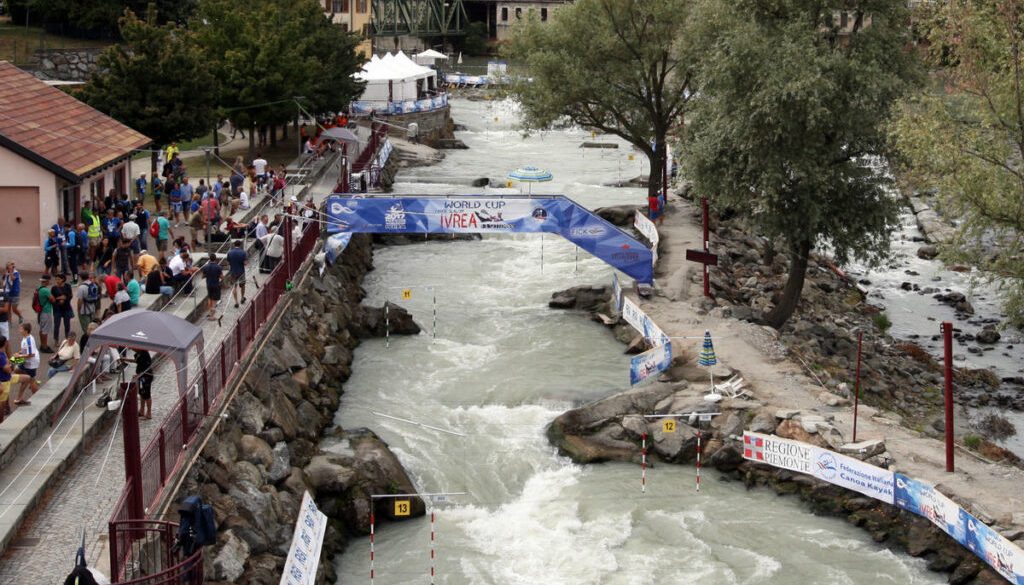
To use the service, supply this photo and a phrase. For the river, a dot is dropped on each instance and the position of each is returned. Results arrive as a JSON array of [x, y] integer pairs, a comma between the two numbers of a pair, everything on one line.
[[501, 367]]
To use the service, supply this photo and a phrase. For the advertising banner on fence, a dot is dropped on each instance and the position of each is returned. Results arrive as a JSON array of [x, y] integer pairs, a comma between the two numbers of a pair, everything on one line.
[[924, 500], [635, 316], [649, 363], [854, 474], [304, 556], [647, 228], [493, 215], [993, 548], [778, 452]]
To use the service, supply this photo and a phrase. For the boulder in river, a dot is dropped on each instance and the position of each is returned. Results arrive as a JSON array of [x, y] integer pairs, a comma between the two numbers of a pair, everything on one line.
[[928, 252], [620, 215], [988, 335]]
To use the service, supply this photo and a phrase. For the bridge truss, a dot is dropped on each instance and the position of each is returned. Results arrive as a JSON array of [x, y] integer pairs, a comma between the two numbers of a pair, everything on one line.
[[418, 18]]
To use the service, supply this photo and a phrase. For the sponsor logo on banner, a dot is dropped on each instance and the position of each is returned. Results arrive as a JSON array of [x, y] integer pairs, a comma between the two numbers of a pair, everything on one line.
[[394, 218], [854, 474], [924, 500], [304, 555], [1001, 554], [778, 452], [593, 231], [649, 363], [646, 228]]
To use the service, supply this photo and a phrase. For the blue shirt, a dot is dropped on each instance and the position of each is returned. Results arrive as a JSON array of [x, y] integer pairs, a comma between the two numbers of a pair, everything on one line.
[[236, 261], [82, 238], [4, 376], [140, 186], [12, 282], [112, 227]]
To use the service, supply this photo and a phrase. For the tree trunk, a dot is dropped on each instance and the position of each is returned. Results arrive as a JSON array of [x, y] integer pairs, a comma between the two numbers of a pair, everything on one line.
[[152, 163], [284, 132], [657, 159], [273, 135], [252, 141], [794, 286]]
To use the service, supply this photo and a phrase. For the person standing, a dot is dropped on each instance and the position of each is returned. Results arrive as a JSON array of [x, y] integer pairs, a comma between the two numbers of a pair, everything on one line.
[[213, 272], [260, 166], [131, 232], [12, 286], [45, 313], [274, 243], [124, 259], [237, 259], [174, 200], [95, 231], [51, 253], [5, 314], [187, 191], [163, 231], [157, 188], [142, 220], [140, 187], [144, 375], [88, 299], [82, 244], [62, 311], [29, 366], [197, 225]]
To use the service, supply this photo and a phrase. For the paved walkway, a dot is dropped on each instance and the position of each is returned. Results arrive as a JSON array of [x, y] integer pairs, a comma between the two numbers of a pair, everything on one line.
[[84, 496]]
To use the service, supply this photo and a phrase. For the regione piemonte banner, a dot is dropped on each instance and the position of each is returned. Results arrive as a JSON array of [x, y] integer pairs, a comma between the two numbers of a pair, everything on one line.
[[553, 214]]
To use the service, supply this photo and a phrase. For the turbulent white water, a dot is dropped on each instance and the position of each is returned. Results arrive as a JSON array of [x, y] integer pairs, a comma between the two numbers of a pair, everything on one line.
[[501, 367]]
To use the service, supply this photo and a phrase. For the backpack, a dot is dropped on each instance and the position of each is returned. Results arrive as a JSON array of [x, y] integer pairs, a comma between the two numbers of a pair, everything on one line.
[[198, 526], [154, 228], [37, 305], [92, 292]]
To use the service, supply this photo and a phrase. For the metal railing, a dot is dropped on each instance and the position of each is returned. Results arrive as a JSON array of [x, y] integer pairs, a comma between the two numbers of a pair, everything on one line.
[[149, 555], [166, 453]]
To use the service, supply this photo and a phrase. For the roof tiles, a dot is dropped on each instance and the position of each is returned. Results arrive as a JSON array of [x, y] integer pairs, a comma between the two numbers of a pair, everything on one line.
[[58, 128]]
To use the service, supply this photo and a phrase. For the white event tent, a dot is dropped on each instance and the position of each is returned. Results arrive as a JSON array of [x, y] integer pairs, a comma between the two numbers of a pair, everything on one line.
[[396, 78]]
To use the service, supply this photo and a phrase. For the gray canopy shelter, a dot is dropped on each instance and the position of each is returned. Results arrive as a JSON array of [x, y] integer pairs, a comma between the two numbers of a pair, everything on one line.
[[142, 329], [339, 134]]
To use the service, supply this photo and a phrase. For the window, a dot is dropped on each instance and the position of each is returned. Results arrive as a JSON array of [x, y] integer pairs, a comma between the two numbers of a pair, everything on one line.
[[519, 13], [543, 14], [843, 18], [504, 14], [339, 6], [361, 6]]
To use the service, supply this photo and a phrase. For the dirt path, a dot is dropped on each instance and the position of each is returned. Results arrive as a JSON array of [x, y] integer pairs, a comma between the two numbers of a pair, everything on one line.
[[991, 490]]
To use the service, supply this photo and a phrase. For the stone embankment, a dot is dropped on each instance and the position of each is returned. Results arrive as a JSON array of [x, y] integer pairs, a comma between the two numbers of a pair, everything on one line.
[[267, 450]]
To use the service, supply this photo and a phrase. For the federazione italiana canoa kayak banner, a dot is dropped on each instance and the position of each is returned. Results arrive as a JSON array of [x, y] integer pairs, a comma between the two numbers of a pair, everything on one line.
[[553, 214]]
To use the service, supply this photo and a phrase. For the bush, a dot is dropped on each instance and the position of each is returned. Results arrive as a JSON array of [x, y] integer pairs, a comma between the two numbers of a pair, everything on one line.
[[882, 322], [996, 427], [972, 441]]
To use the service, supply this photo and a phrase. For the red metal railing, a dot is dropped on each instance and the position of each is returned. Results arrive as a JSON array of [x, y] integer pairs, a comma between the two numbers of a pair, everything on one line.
[[378, 134], [148, 556], [166, 452]]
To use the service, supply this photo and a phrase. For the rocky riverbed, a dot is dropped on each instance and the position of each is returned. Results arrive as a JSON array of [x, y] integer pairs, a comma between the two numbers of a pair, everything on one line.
[[271, 447], [899, 379]]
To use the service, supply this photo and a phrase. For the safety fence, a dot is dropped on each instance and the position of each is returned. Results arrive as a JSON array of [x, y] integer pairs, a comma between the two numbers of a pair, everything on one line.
[[167, 452], [153, 558]]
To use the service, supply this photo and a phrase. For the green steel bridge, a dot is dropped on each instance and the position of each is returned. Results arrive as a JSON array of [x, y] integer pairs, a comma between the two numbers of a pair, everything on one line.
[[418, 18]]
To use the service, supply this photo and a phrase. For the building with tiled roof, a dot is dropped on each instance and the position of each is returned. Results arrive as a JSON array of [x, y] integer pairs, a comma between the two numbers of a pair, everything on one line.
[[55, 153]]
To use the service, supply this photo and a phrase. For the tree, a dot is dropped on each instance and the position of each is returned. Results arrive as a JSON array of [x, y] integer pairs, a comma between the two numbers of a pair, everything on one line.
[[620, 66], [790, 122], [268, 59], [331, 86], [94, 17], [966, 135], [157, 81]]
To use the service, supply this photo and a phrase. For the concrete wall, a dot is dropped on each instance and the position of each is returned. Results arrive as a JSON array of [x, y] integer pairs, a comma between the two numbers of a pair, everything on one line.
[[433, 125], [23, 175]]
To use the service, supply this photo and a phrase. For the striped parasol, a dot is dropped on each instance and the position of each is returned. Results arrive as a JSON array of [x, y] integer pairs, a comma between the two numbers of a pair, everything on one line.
[[707, 352], [531, 174], [707, 359]]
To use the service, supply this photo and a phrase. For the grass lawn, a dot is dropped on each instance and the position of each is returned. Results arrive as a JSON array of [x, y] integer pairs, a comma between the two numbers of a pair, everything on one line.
[[17, 43]]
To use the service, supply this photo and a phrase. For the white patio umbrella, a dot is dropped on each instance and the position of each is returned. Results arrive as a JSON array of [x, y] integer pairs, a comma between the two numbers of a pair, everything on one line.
[[531, 175]]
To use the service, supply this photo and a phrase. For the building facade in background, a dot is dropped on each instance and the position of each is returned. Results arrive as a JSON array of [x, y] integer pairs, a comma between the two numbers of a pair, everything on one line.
[[353, 16], [55, 153]]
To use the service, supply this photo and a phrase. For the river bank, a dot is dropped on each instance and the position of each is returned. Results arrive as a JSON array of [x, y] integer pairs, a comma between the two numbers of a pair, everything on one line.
[[270, 448], [800, 379]]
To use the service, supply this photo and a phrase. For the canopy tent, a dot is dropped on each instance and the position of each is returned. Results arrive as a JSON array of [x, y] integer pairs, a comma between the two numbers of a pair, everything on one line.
[[395, 77], [428, 57], [142, 329], [339, 134]]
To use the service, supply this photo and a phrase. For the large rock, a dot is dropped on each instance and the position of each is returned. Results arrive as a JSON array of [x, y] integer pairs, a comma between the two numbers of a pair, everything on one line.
[[620, 215], [329, 474], [255, 450], [928, 252], [229, 561], [375, 322], [727, 459], [584, 298], [988, 335]]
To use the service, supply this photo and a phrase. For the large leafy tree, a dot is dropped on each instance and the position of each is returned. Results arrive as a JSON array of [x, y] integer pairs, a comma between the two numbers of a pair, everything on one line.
[[621, 66], [966, 135], [157, 81], [789, 124], [94, 17], [274, 56]]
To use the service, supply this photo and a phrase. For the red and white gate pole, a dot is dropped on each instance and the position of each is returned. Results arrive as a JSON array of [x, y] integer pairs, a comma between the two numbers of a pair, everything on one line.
[[433, 555], [643, 462], [698, 456], [371, 543]]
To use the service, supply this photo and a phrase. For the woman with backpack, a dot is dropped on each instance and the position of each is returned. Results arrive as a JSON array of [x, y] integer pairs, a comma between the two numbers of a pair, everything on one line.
[[88, 299]]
